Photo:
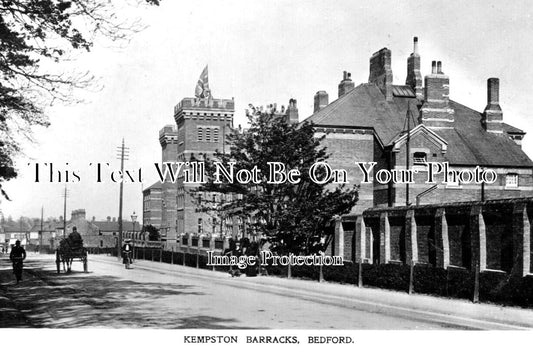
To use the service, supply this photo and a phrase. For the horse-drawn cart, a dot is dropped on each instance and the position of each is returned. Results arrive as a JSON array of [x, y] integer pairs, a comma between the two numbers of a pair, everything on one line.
[[67, 253]]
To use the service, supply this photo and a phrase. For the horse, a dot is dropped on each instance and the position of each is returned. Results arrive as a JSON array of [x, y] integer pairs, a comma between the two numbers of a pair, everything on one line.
[[66, 254]]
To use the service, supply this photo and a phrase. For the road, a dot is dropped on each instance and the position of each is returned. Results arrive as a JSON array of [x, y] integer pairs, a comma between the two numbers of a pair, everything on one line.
[[155, 295]]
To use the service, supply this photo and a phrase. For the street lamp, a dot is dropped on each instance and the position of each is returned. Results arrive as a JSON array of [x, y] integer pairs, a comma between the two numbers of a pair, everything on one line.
[[133, 219]]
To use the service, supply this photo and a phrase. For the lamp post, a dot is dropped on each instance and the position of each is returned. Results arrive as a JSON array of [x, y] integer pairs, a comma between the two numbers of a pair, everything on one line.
[[133, 219]]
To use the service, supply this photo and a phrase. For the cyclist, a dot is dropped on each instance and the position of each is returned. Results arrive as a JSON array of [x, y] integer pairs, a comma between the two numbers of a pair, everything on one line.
[[126, 253], [18, 254]]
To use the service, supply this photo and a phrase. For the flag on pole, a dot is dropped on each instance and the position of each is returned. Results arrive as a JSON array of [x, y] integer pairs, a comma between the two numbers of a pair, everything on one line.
[[202, 87]]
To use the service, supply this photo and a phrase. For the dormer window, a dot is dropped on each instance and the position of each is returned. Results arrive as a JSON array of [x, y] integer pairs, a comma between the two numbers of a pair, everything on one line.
[[419, 158]]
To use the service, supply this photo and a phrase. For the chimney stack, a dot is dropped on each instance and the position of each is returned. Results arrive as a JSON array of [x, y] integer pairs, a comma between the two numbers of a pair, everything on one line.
[[321, 100], [414, 76], [291, 114], [436, 111], [492, 115], [346, 83], [381, 72]]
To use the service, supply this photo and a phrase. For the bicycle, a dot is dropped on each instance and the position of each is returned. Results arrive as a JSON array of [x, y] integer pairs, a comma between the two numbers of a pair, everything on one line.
[[126, 255]]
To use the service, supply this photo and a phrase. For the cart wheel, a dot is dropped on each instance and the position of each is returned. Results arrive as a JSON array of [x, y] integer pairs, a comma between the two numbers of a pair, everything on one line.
[[85, 266]]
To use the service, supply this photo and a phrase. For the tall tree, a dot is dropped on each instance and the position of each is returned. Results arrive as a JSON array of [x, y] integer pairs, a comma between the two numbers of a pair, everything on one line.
[[35, 36], [295, 216]]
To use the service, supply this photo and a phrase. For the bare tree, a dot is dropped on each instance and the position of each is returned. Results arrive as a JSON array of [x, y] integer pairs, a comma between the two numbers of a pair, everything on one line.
[[35, 36]]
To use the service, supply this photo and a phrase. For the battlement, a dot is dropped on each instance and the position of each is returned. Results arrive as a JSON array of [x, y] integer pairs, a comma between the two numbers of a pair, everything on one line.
[[168, 130], [205, 104]]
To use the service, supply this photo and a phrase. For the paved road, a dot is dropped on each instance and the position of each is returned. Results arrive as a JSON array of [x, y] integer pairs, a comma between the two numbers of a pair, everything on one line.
[[158, 295]]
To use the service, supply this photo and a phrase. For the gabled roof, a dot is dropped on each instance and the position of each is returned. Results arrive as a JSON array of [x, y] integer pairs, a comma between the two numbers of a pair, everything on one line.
[[468, 142], [401, 138]]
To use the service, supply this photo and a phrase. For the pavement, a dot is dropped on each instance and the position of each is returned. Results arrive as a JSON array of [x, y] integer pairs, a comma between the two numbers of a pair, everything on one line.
[[159, 295]]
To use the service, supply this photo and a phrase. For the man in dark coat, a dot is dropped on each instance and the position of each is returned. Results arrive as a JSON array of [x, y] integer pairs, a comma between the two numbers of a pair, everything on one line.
[[17, 255], [75, 239]]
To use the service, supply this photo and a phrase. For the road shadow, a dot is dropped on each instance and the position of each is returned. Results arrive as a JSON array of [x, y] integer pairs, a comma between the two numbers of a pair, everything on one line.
[[46, 299]]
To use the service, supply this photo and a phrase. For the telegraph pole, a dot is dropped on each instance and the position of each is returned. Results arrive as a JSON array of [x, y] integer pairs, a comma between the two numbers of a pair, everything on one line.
[[407, 148], [123, 152], [65, 194], [41, 234]]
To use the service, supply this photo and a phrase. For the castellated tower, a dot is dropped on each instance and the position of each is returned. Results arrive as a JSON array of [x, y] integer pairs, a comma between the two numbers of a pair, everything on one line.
[[168, 137], [203, 125]]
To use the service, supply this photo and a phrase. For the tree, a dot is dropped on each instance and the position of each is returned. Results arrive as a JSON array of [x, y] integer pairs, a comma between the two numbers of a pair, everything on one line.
[[35, 35], [295, 217], [153, 232]]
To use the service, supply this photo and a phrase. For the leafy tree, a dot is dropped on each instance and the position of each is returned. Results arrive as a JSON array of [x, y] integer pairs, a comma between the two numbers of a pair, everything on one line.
[[34, 36], [153, 232], [295, 217]]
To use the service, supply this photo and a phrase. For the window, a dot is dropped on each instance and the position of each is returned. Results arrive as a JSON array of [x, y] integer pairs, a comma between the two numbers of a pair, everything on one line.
[[215, 134], [419, 158], [511, 180], [200, 133], [208, 134], [200, 225]]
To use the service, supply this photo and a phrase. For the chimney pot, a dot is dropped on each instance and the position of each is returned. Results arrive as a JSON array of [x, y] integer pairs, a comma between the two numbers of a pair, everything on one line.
[[321, 100], [346, 83], [433, 67], [439, 67], [381, 72], [493, 91], [415, 45], [493, 115]]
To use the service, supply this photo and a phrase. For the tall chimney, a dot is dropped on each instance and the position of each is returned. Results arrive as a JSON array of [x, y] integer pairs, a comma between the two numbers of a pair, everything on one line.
[[381, 72], [291, 114], [414, 76], [346, 83], [436, 111], [321, 100], [492, 115]]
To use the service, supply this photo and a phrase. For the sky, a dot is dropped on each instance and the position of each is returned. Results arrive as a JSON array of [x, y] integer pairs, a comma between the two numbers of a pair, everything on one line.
[[258, 52]]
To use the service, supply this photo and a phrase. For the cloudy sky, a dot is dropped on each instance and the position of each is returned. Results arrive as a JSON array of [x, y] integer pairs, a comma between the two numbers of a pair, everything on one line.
[[262, 52]]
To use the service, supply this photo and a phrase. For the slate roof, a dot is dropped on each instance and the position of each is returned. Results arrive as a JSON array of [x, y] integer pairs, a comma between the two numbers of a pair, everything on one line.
[[468, 143], [47, 227]]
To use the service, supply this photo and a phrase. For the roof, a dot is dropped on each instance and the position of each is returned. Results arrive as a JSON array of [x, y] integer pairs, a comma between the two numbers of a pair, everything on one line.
[[156, 185], [47, 227], [468, 142], [365, 107], [112, 226]]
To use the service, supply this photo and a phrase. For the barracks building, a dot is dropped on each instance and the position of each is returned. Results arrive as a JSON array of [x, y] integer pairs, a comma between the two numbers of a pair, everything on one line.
[[396, 125]]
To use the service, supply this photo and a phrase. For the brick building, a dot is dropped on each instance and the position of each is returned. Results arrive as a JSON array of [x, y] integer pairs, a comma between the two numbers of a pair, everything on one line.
[[152, 205], [375, 121], [368, 123], [203, 125], [168, 138]]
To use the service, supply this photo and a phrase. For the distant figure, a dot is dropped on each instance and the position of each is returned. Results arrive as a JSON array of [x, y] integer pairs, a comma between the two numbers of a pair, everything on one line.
[[17, 255], [75, 239], [127, 252]]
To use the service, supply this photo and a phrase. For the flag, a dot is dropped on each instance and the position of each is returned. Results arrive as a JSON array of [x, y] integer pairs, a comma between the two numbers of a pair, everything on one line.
[[202, 87]]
